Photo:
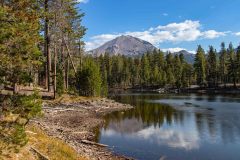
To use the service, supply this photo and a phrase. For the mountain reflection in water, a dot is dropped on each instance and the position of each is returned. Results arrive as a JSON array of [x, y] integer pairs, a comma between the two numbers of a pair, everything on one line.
[[175, 126]]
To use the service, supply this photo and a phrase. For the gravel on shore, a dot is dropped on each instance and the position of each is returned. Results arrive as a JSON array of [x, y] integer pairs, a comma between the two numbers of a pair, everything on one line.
[[75, 122]]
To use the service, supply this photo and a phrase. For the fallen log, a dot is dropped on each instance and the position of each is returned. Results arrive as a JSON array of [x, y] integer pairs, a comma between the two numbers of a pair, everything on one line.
[[39, 154], [93, 143]]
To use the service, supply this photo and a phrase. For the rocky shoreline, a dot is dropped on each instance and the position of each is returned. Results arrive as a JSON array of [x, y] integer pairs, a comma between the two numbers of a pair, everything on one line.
[[75, 122]]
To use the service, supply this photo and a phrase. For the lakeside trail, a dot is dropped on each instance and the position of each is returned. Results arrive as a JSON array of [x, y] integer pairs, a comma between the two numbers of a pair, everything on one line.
[[74, 120]]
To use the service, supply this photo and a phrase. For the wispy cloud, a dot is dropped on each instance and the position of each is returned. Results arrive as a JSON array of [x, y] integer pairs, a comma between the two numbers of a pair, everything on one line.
[[83, 1], [170, 137], [177, 49], [174, 32], [211, 34], [98, 40], [165, 14], [237, 34]]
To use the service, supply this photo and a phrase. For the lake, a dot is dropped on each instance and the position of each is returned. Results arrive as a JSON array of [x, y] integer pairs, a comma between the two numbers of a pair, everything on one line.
[[175, 127]]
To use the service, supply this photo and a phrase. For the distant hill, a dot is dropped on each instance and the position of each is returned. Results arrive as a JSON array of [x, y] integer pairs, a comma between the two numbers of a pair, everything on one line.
[[132, 46], [124, 45], [189, 57]]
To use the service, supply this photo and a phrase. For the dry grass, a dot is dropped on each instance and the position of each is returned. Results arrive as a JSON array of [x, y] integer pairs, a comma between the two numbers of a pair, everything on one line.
[[52, 148], [69, 99]]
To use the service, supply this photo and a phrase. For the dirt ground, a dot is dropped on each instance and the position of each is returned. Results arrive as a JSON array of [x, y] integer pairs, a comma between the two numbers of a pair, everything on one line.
[[75, 123]]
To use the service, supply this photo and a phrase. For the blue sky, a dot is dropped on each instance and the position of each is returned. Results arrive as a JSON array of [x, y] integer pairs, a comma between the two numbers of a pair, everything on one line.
[[168, 24]]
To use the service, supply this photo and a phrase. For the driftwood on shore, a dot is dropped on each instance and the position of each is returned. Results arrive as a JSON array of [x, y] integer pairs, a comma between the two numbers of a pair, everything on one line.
[[94, 143], [75, 123], [39, 154]]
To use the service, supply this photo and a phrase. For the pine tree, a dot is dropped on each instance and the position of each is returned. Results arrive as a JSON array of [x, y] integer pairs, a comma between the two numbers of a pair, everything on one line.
[[237, 61], [117, 70], [169, 60], [178, 71], [170, 77], [126, 71], [160, 60], [200, 66], [66, 31], [187, 75], [212, 67], [169, 68], [89, 79], [104, 86], [108, 63], [156, 78], [19, 39], [145, 70], [163, 78], [232, 68], [136, 71], [223, 64]]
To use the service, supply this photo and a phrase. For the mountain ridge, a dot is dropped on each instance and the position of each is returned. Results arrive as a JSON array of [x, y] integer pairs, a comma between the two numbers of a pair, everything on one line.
[[131, 46], [125, 45]]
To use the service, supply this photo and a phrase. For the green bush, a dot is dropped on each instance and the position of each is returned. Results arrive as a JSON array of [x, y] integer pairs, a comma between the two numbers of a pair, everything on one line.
[[89, 79], [16, 111], [19, 136], [27, 106]]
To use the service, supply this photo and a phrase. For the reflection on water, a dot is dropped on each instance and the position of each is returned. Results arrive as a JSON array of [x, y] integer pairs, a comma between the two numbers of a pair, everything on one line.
[[175, 127]]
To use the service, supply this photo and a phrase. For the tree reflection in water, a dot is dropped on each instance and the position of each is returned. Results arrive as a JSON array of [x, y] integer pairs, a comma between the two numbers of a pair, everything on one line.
[[200, 123]]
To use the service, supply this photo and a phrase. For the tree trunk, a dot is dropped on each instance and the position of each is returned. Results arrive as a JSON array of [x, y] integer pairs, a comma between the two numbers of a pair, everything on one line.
[[70, 57], [55, 60], [80, 55], [46, 46], [63, 70], [50, 84], [55, 70], [67, 73]]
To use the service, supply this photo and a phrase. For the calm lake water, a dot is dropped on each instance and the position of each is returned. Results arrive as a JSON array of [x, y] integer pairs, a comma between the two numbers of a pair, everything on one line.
[[175, 127]]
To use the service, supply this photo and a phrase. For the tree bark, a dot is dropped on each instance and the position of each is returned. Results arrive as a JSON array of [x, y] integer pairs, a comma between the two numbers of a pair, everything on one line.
[[55, 60], [67, 73], [80, 54], [70, 57], [63, 66], [46, 47], [55, 70]]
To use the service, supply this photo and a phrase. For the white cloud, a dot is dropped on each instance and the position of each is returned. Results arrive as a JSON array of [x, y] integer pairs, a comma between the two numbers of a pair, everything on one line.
[[172, 49], [237, 34], [211, 34], [98, 40], [82, 1], [186, 25], [174, 32], [187, 140], [175, 138], [177, 49]]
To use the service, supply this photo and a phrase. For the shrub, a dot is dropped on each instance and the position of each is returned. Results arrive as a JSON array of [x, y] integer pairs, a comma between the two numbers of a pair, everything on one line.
[[89, 79]]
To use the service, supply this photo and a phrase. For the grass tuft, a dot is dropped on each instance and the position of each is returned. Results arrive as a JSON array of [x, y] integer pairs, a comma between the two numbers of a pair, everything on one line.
[[53, 148]]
